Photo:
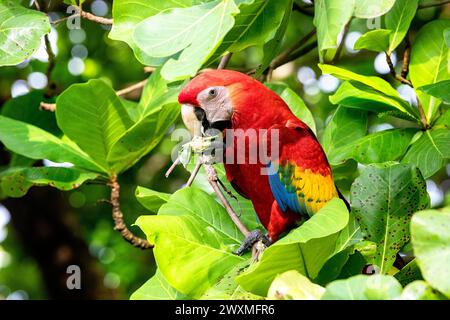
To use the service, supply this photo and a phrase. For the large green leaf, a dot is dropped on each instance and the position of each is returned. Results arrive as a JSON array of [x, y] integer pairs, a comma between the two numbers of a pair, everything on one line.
[[127, 14], [305, 249], [420, 290], [382, 87], [298, 108], [21, 31], [430, 235], [142, 137], [398, 20], [430, 152], [226, 287], [429, 62], [92, 115], [157, 288], [359, 96], [191, 33], [35, 143], [151, 199], [379, 147], [362, 287], [257, 23], [194, 241], [330, 18], [375, 40], [15, 182], [383, 200], [367, 9], [292, 285], [345, 125], [440, 90]]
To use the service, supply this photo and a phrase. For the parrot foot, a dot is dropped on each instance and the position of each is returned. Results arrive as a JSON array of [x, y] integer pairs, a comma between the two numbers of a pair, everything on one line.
[[253, 237]]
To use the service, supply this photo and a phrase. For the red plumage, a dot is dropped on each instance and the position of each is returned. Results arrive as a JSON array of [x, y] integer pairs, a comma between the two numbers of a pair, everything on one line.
[[304, 175]]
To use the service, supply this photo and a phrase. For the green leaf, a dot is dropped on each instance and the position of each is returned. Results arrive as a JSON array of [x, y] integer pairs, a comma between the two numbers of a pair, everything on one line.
[[292, 285], [429, 62], [191, 33], [430, 235], [383, 200], [409, 273], [440, 90], [151, 199], [127, 14], [298, 107], [15, 182], [363, 89], [142, 137], [367, 9], [430, 152], [155, 87], [259, 22], [157, 288], [420, 290], [227, 288], [35, 143], [21, 31], [375, 40], [398, 20], [447, 37], [379, 147], [305, 249], [194, 241], [362, 287], [330, 18], [93, 117], [345, 125]]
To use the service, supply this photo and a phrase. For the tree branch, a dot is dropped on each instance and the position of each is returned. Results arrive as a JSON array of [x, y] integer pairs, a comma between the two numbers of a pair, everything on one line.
[[224, 61], [406, 58], [434, 4], [394, 74], [117, 215], [50, 66], [87, 16], [341, 44]]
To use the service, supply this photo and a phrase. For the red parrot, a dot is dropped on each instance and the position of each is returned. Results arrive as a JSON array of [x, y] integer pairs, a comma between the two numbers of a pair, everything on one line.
[[303, 183]]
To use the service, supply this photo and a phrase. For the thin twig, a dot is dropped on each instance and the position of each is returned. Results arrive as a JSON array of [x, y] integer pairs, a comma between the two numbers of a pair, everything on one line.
[[91, 17], [194, 173], [124, 91], [117, 215], [434, 4], [132, 88], [341, 44], [172, 167], [48, 106], [289, 55], [224, 61], [212, 179], [36, 3], [50, 66]]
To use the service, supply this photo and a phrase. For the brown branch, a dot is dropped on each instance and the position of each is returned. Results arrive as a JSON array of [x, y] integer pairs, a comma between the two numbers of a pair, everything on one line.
[[406, 58], [36, 3], [132, 88], [341, 44], [224, 61], [435, 4], [117, 215], [394, 74], [49, 91], [212, 179], [91, 17], [52, 106], [290, 53]]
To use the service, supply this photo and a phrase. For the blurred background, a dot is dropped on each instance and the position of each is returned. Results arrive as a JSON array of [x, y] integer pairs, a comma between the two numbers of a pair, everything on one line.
[[40, 232]]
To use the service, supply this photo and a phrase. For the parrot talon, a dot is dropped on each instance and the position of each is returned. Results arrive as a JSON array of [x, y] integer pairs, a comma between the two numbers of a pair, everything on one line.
[[253, 237]]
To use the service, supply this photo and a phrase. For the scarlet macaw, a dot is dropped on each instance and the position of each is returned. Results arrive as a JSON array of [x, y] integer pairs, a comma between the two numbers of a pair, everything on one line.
[[303, 183]]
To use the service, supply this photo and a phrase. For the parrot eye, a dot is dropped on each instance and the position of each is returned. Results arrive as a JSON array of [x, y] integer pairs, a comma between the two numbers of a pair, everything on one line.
[[212, 93]]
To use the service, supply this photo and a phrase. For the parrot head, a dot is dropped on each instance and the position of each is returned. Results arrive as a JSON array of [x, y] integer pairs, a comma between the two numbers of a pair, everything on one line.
[[221, 99]]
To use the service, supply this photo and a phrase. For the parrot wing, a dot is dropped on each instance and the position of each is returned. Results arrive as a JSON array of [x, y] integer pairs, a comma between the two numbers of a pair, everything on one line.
[[303, 182]]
